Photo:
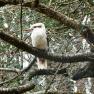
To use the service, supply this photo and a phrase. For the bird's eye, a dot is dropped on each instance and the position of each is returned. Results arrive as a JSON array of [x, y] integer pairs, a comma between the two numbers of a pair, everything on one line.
[[37, 27], [34, 27]]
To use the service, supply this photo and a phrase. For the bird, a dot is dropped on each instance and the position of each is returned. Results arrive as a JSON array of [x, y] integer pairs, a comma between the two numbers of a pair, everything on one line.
[[39, 40]]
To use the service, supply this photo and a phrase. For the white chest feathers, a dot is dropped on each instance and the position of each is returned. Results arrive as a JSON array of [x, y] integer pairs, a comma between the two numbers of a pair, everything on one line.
[[39, 38]]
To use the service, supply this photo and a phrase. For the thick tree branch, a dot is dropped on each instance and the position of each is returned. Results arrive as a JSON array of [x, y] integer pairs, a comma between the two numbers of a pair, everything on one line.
[[47, 72], [17, 90], [38, 72], [5, 2], [58, 16], [47, 11], [41, 53]]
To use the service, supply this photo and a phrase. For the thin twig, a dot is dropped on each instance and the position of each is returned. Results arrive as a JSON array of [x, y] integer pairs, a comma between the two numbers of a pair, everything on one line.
[[20, 73], [53, 78]]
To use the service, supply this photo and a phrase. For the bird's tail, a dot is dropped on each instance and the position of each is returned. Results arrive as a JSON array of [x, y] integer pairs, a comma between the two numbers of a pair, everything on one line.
[[41, 63]]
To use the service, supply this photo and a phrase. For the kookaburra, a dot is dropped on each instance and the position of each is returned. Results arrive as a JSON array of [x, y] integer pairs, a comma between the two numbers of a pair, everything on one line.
[[39, 40]]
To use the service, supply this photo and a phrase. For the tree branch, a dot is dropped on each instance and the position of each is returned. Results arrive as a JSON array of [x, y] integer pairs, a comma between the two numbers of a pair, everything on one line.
[[47, 72], [17, 90], [10, 70], [47, 11], [43, 54]]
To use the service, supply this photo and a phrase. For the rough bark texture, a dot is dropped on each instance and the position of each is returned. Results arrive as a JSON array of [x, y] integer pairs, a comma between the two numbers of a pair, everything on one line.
[[47, 72], [17, 90], [43, 54]]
